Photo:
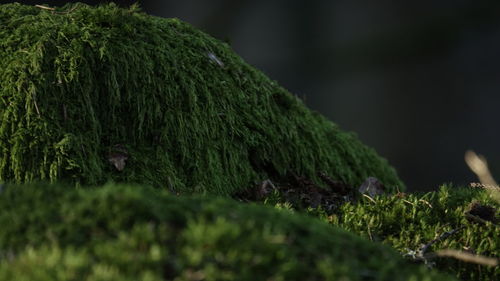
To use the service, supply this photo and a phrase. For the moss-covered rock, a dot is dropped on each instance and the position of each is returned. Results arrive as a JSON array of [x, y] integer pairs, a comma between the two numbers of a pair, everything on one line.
[[118, 232], [420, 225], [91, 94]]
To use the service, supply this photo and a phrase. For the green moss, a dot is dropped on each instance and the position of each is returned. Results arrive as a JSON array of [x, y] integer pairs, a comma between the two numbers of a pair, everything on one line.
[[190, 114], [410, 221], [124, 232]]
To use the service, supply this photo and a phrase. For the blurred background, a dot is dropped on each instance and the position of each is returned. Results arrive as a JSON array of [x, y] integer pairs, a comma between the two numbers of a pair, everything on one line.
[[417, 80]]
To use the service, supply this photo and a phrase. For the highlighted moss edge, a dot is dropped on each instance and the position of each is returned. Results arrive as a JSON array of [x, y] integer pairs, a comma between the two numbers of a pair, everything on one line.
[[408, 221]]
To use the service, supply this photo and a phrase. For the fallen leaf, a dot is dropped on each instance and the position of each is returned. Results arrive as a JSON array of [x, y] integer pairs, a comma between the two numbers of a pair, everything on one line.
[[117, 156]]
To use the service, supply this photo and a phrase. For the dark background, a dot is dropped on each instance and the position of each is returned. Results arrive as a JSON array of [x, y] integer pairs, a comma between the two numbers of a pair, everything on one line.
[[417, 80]]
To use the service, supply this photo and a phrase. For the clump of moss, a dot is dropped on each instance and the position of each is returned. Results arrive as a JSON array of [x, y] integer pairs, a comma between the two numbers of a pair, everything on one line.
[[92, 94], [125, 232], [420, 225]]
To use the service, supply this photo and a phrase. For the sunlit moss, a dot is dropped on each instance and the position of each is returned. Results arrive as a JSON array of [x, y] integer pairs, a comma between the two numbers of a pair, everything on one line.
[[408, 221]]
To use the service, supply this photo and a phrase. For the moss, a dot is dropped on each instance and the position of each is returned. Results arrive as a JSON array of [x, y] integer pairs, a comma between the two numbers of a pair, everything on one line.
[[408, 221], [186, 112], [125, 232]]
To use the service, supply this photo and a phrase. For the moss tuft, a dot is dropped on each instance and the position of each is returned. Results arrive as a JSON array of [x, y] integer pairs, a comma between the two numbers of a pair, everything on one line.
[[460, 219], [125, 232], [186, 112]]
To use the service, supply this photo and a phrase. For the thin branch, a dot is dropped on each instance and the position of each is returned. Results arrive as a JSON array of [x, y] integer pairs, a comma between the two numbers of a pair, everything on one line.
[[478, 164], [45, 7], [443, 236], [53, 10], [467, 257]]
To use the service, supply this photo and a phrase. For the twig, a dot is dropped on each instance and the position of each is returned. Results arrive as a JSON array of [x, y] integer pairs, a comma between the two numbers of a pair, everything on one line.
[[443, 236], [420, 255], [45, 7], [53, 10], [467, 257], [478, 164]]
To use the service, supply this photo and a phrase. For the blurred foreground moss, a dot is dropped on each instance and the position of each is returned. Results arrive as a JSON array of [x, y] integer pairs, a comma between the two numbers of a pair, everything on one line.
[[119, 232]]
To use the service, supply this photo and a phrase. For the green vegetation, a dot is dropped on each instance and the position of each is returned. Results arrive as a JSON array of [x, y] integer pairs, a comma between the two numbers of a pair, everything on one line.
[[410, 221], [167, 104], [463, 219], [90, 95], [124, 232]]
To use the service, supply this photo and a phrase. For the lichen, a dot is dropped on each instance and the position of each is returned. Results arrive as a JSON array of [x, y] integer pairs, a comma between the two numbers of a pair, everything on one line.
[[78, 81]]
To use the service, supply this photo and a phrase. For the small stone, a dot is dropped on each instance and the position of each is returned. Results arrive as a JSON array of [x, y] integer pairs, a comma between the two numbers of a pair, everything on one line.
[[372, 187]]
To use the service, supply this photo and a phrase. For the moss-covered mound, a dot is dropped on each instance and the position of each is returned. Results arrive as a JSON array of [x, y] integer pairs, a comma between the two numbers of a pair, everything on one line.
[[465, 220], [91, 94], [118, 232]]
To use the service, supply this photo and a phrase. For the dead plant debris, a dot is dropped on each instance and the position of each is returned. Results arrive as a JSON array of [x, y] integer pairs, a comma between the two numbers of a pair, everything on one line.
[[302, 193], [117, 156], [477, 212]]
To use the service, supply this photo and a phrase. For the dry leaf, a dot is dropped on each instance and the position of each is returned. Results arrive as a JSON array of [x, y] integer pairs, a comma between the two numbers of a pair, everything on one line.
[[117, 156]]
